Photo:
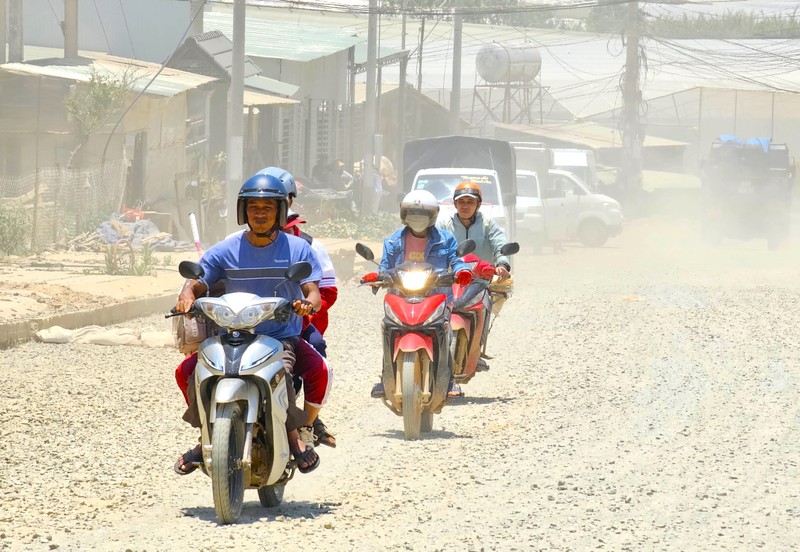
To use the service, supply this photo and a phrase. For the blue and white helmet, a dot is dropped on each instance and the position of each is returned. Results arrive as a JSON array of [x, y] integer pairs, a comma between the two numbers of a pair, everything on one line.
[[284, 176]]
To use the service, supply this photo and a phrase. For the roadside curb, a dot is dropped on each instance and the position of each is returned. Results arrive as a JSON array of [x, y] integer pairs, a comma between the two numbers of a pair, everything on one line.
[[25, 330]]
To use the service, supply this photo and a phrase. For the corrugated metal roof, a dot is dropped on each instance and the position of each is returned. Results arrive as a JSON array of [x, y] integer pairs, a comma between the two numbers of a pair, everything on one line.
[[168, 83], [274, 86], [253, 98], [271, 39], [220, 49], [590, 135]]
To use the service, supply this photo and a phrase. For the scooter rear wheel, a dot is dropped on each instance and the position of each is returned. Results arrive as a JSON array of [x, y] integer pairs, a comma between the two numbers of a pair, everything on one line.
[[271, 496]]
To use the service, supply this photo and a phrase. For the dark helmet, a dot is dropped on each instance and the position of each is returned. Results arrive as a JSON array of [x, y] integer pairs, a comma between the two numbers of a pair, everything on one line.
[[284, 176], [262, 186]]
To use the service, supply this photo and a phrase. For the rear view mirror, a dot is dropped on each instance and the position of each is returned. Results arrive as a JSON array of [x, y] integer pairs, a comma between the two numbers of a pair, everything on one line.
[[465, 247], [298, 271], [511, 248], [365, 252], [190, 270]]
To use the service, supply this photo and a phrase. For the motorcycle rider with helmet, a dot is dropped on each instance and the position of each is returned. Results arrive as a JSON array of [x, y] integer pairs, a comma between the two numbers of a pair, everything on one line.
[[418, 240], [254, 261], [469, 223], [314, 325]]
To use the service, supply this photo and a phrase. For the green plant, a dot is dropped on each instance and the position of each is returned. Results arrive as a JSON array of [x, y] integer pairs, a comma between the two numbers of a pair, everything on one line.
[[167, 261], [144, 263], [15, 228], [92, 104], [122, 259]]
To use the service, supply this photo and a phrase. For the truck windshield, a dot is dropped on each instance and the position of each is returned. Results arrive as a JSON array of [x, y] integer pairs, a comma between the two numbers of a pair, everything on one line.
[[442, 186]]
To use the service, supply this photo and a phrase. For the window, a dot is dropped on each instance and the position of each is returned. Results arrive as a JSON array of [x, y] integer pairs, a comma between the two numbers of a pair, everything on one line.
[[442, 186], [527, 185], [566, 185]]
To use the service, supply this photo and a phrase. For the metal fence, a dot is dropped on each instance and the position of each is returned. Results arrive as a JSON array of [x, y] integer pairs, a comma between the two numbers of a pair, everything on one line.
[[62, 203]]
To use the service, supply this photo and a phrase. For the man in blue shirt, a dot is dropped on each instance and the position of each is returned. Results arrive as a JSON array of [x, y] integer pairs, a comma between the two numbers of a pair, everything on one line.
[[255, 262]]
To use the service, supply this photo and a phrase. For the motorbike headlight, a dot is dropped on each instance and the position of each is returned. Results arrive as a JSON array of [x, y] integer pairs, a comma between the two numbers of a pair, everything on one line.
[[248, 317], [252, 316], [222, 315], [414, 280], [436, 314]]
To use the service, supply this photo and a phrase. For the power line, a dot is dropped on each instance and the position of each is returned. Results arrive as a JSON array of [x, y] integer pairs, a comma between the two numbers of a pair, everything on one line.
[[127, 29], [154, 77], [100, 19]]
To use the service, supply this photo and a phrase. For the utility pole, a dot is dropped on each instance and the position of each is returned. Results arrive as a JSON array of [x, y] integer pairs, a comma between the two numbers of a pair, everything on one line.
[[455, 94], [70, 29], [3, 34], [419, 59], [197, 23], [367, 165], [15, 40], [235, 110], [631, 130], [403, 17]]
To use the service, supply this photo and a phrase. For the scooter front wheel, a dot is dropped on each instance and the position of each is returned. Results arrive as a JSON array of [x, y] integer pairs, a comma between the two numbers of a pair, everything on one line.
[[412, 395], [227, 476]]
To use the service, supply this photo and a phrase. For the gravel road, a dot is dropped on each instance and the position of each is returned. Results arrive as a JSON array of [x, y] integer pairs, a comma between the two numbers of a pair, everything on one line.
[[642, 396]]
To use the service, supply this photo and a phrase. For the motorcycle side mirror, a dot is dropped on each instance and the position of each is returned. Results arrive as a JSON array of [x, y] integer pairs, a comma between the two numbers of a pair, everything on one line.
[[298, 271], [191, 270], [365, 252], [466, 247], [511, 248]]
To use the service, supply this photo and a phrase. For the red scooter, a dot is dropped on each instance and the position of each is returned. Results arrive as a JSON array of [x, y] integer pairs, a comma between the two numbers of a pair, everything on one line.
[[416, 340], [469, 321]]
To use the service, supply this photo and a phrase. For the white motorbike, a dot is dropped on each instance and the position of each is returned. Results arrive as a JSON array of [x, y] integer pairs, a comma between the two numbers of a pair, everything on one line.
[[242, 397]]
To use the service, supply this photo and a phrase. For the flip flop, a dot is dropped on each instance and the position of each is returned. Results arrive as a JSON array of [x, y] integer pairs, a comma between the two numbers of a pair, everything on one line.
[[324, 437], [189, 461], [454, 391], [309, 458]]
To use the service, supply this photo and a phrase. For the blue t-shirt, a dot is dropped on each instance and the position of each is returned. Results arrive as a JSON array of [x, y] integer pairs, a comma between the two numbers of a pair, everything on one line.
[[259, 270]]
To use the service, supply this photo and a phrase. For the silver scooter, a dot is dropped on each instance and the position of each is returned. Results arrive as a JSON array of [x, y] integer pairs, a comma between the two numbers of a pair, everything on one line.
[[242, 397]]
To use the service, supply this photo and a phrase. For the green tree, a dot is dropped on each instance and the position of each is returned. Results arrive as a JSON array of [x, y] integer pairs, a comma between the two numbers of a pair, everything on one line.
[[92, 104]]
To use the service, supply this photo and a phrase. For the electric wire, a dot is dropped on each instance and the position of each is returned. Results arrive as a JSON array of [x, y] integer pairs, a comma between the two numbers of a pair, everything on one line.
[[127, 28], [152, 79], [102, 27]]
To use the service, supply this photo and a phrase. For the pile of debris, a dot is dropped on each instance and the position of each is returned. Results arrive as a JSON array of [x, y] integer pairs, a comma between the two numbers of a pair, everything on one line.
[[138, 233]]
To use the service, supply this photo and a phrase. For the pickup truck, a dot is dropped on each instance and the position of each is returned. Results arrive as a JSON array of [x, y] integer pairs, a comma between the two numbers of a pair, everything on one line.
[[564, 209]]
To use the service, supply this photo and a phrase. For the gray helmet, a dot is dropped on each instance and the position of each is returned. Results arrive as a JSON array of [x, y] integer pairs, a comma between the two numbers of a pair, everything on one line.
[[284, 176]]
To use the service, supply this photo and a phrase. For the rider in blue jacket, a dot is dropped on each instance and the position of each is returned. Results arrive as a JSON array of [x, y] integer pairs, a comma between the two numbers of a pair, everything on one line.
[[418, 240]]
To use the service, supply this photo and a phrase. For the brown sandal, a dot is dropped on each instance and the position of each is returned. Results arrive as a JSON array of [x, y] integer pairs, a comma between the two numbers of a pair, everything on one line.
[[189, 461], [324, 437], [308, 457]]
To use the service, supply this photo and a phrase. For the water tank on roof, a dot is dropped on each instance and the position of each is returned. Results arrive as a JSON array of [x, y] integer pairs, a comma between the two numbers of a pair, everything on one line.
[[498, 63]]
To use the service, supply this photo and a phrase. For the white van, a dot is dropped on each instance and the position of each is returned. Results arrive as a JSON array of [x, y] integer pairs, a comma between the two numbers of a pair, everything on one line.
[[441, 182], [564, 211]]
